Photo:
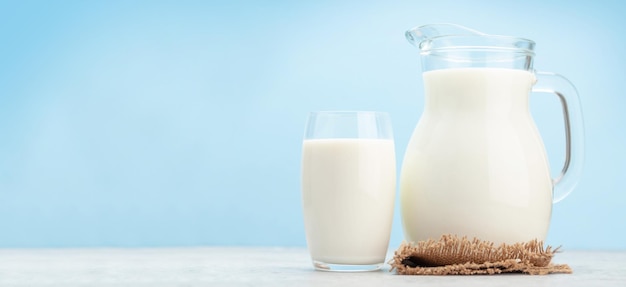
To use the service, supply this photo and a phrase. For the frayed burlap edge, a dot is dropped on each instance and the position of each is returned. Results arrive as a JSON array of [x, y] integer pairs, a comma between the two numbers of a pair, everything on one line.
[[451, 255]]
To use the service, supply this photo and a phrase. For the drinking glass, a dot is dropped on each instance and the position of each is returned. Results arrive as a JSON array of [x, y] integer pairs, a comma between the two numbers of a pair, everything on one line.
[[348, 189]]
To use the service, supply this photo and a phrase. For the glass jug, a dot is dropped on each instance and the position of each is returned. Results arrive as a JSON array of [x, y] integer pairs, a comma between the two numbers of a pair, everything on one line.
[[475, 165]]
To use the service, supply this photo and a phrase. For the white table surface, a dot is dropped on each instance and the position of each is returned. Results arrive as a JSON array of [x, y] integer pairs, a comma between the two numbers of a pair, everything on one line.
[[241, 266]]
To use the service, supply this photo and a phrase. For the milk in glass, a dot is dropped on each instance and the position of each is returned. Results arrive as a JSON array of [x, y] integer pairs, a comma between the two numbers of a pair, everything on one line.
[[348, 190]]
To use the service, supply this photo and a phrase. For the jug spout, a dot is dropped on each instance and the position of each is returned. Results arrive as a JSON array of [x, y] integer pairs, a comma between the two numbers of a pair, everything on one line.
[[419, 35]]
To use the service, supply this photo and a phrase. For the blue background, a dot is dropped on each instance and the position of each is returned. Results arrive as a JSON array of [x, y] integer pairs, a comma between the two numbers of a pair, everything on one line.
[[179, 123]]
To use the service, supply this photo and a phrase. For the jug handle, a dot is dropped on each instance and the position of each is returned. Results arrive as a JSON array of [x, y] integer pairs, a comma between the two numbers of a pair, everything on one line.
[[556, 84]]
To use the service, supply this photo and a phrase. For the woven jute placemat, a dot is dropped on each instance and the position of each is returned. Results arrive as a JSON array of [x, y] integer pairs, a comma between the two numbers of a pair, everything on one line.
[[453, 255]]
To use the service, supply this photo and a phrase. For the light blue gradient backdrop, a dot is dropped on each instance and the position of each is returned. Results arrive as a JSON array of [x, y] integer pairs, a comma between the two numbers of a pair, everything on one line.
[[177, 123]]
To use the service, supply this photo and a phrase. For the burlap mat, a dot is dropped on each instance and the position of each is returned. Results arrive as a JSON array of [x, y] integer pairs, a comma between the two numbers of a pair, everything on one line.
[[451, 255]]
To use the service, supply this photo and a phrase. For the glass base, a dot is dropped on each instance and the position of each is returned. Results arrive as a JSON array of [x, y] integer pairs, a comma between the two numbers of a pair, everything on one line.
[[322, 266]]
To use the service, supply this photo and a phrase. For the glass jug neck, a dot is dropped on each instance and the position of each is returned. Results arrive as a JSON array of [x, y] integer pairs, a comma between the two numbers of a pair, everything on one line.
[[445, 46], [477, 51]]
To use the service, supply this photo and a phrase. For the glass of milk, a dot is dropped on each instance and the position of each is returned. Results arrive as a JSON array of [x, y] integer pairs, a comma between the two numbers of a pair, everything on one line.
[[348, 189]]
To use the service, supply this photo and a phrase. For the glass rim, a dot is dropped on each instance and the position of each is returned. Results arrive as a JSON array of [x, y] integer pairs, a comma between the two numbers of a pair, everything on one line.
[[348, 124]]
